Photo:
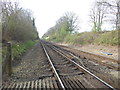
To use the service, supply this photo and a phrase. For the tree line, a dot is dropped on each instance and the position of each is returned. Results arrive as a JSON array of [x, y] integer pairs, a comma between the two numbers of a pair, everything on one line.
[[103, 11], [18, 24], [65, 25]]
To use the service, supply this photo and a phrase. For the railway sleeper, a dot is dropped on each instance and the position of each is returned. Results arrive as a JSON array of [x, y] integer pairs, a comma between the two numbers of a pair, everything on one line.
[[70, 82]]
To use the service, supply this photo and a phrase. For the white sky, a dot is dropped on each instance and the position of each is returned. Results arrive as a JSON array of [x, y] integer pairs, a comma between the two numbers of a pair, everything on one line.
[[47, 12]]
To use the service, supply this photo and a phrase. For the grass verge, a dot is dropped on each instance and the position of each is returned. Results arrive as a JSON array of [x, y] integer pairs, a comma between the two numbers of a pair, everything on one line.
[[18, 49]]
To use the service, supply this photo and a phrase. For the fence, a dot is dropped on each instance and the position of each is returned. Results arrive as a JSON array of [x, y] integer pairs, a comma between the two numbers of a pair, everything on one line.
[[6, 64]]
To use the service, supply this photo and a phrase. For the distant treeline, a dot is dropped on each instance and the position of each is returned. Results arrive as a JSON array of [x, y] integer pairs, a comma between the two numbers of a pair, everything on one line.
[[66, 28], [17, 24], [65, 25]]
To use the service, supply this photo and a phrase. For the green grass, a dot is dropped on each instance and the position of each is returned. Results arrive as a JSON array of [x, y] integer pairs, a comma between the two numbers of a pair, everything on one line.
[[18, 49]]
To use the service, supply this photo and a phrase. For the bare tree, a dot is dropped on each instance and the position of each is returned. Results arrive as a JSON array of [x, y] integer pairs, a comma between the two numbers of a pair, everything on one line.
[[72, 21], [114, 7], [97, 15], [118, 15], [69, 20]]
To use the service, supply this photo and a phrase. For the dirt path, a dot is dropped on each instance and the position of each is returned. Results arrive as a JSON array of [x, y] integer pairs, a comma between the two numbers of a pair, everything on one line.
[[97, 49], [32, 66]]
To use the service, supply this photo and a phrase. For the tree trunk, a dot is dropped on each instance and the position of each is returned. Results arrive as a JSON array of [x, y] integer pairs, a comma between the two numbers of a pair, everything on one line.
[[118, 16]]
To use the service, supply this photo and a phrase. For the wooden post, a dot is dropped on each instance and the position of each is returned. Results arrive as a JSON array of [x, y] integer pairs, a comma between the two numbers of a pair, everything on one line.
[[9, 66]]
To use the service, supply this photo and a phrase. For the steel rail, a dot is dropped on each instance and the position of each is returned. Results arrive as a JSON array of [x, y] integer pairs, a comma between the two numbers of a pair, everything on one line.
[[58, 77], [60, 52]]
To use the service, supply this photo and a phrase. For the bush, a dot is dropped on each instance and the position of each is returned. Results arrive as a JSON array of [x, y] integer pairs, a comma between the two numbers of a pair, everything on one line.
[[18, 49], [110, 38], [18, 24], [86, 37], [70, 38], [105, 37]]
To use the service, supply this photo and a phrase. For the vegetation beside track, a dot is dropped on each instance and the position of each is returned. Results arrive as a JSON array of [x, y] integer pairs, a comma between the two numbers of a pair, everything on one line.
[[108, 38], [18, 27], [104, 37], [66, 28], [18, 49]]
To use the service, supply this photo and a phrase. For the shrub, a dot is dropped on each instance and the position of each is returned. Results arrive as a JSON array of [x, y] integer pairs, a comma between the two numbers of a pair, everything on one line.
[[86, 37], [18, 49], [110, 38], [105, 37]]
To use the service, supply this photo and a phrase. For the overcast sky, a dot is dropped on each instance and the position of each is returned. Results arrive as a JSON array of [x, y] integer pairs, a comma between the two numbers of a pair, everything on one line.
[[47, 12]]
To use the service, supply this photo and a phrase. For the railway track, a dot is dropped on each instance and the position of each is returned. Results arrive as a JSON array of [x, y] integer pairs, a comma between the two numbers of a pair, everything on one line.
[[66, 74], [105, 61]]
